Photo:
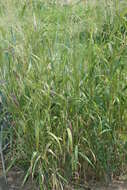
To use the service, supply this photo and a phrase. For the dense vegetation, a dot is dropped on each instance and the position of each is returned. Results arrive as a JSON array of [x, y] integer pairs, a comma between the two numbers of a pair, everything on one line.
[[65, 76]]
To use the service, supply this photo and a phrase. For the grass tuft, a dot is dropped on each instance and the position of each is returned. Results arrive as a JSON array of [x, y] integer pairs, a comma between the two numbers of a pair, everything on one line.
[[66, 88]]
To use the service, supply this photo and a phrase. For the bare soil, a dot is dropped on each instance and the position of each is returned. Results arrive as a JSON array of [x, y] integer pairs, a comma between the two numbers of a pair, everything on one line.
[[16, 176], [116, 185], [14, 181]]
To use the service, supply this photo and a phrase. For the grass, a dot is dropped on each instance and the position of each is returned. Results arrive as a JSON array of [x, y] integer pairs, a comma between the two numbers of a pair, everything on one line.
[[66, 88]]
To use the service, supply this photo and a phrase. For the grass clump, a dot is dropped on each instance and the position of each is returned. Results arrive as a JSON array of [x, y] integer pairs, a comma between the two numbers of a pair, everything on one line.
[[65, 69]]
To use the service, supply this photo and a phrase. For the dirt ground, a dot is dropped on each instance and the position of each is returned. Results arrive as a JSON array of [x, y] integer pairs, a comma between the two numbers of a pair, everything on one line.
[[117, 185], [15, 178], [15, 181]]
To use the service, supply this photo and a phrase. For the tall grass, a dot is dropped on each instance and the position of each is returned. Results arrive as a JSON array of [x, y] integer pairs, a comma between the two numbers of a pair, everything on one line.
[[66, 88]]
